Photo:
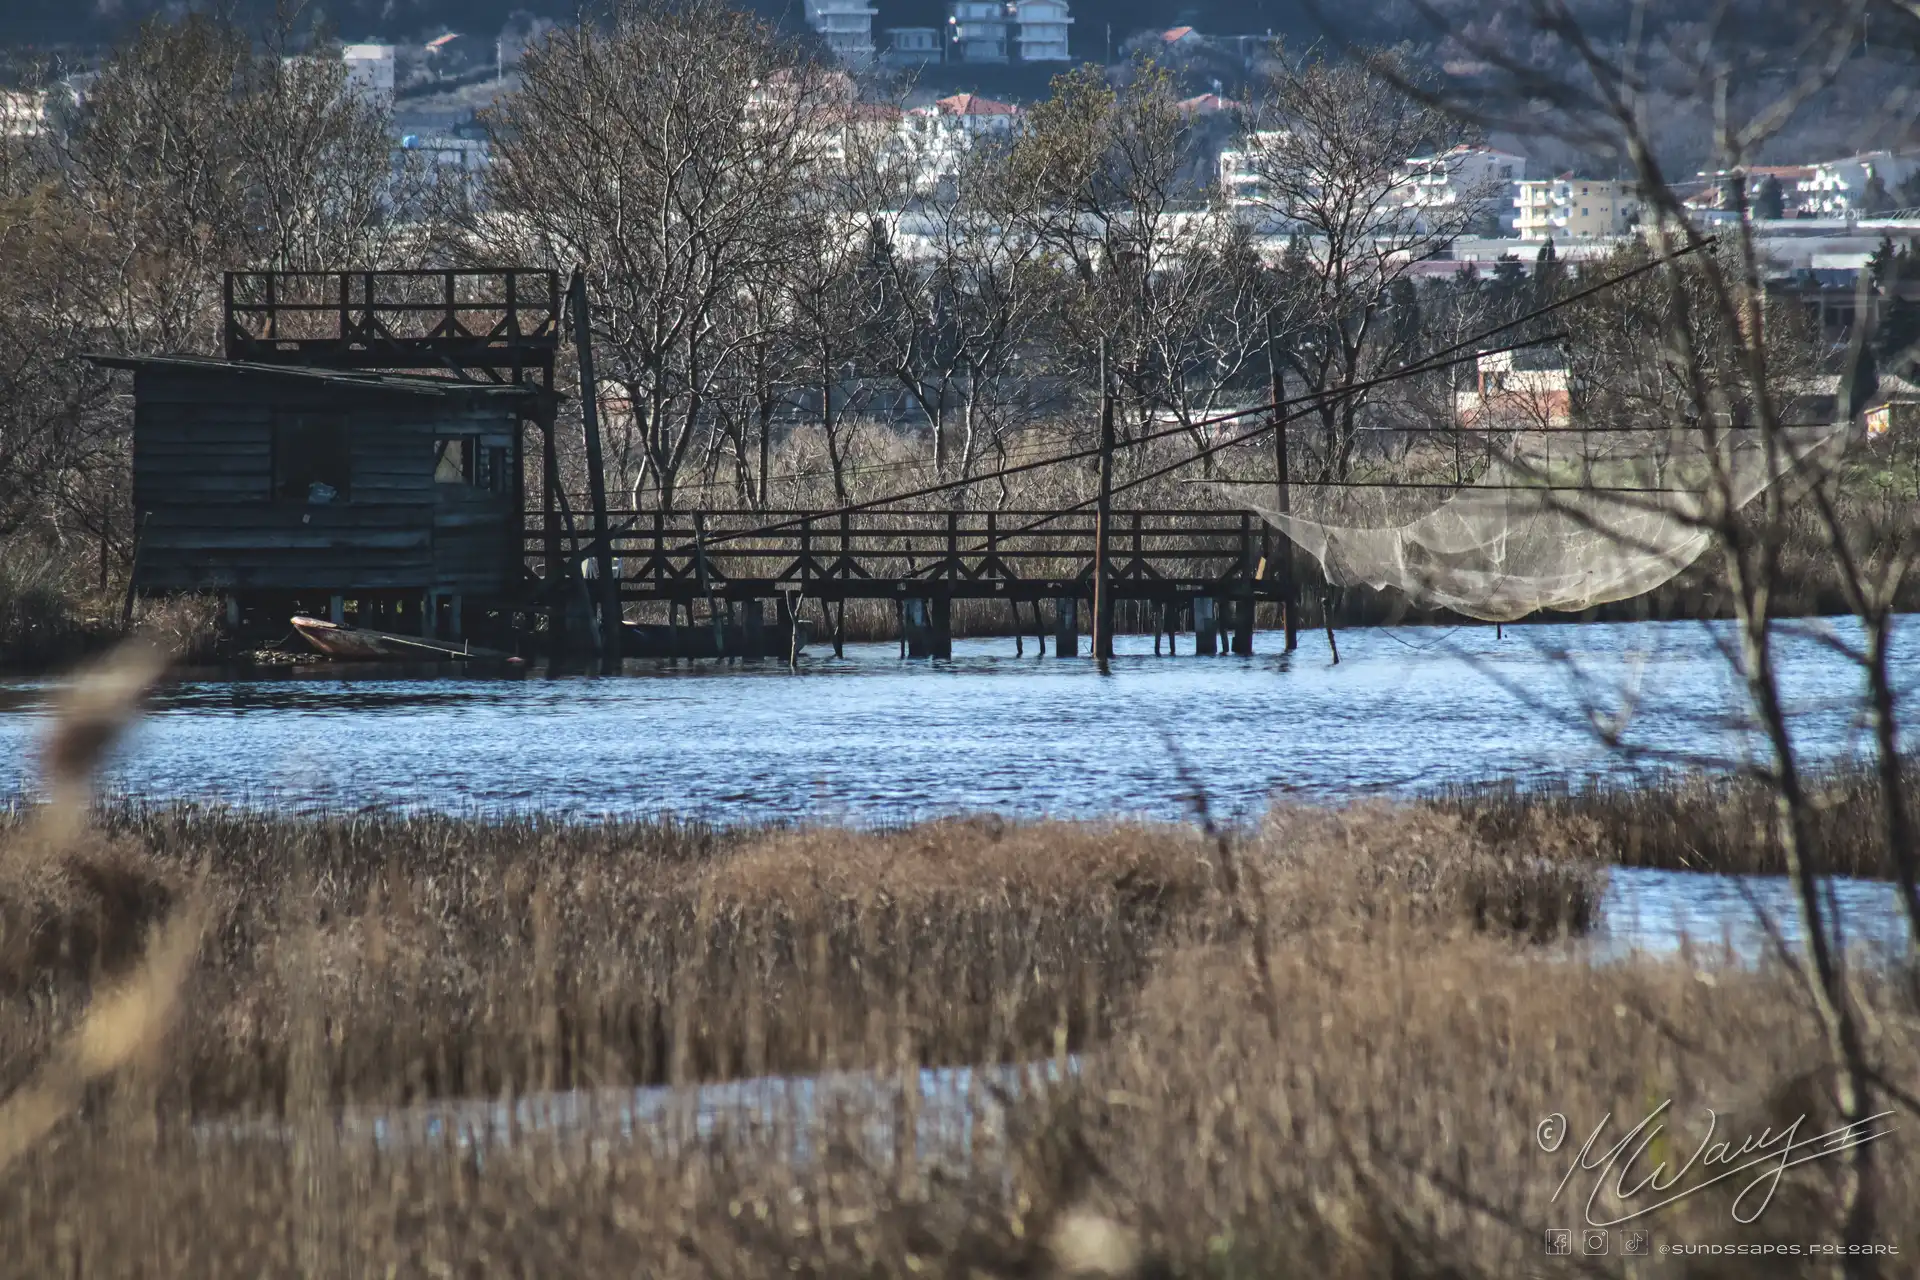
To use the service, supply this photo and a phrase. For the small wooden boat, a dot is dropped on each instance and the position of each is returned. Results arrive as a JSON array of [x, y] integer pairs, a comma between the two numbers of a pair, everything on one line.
[[699, 640], [358, 644]]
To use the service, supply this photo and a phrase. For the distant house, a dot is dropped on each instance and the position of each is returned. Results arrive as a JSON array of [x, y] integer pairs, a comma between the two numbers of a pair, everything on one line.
[[1208, 104], [1043, 30], [1575, 208], [1241, 182], [911, 46], [22, 114], [1838, 188], [846, 26], [940, 134], [1517, 390], [370, 72], [1181, 38], [1482, 177], [977, 30]]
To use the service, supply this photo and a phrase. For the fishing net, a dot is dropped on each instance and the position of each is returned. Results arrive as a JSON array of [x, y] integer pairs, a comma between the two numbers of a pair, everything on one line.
[[1529, 533]]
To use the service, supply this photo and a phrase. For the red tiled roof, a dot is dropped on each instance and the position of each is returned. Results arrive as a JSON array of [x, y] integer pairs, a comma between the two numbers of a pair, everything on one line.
[[1208, 103], [1176, 35], [972, 104]]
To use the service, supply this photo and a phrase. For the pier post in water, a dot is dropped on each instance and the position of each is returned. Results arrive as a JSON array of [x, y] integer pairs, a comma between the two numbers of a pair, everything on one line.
[[1066, 627], [1204, 626], [942, 638], [917, 628], [755, 622]]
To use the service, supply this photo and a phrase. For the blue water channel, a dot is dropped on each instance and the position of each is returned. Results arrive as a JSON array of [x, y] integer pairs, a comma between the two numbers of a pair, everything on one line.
[[874, 739]]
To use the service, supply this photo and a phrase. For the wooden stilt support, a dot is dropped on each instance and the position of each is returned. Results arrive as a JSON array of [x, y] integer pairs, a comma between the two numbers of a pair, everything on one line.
[[918, 628], [756, 628], [1284, 585], [943, 624], [1103, 610], [1066, 627], [840, 628], [1039, 631], [337, 610], [1326, 616], [606, 582], [1204, 626], [1243, 607], [1019, 640]]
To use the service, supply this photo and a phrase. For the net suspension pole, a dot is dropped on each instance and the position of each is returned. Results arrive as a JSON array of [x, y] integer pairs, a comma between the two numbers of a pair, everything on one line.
[[1283, 499], [1103, 520], [609, 585]]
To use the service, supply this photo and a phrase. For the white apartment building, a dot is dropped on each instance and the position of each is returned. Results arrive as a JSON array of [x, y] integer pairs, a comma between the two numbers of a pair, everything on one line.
[[1043, 30], [940, 134], [977, 30], [1837, 188], [911, 46], [1575, 208], [846, 26], [370, 72], [1478, 176], [22, 114], [1240, 181]]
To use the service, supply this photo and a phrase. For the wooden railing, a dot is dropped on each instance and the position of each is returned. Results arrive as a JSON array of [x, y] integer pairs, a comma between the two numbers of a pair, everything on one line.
[[889, 554]]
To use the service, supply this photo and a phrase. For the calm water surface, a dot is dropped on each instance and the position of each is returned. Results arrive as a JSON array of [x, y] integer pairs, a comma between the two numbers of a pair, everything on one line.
[[874, 739]]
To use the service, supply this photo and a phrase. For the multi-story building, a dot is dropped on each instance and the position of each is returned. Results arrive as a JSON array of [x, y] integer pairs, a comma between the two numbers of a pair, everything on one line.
[[1840, 188], [370, 72], [1575, 208], [1241, 182], [911, 46], [846, 26], [1480, 177], [1043, 30], [22, 114], [939, 135], [977, 30]]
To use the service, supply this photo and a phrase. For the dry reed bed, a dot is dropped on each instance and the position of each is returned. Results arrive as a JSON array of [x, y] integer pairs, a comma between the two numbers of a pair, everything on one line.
[[453, 957], [1716, 823], [1388, 1132]]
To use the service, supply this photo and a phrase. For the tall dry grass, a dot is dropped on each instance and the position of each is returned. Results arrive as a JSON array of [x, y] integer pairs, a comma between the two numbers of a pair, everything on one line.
[[197, 1001]]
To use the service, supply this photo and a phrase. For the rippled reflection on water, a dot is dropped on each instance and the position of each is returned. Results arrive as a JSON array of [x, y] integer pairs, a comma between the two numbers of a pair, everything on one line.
[[1744, 918], [872, 738]]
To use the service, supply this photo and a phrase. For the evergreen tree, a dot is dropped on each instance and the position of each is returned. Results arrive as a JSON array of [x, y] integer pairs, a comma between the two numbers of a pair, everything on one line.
[[1769, 201], [1874, 197]]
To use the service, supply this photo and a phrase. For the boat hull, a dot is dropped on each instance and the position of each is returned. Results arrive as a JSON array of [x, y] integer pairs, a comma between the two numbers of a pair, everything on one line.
[[358, 644]]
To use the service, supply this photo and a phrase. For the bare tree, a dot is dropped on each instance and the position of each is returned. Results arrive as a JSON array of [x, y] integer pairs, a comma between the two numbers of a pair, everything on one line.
[[1327, 146], [667, 147], [968, 291], [1167, 279], [1715, 358]]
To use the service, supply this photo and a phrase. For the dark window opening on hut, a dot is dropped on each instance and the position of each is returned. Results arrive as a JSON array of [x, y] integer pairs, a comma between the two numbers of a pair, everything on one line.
[[312, 462], [453, 461], [464, 460]]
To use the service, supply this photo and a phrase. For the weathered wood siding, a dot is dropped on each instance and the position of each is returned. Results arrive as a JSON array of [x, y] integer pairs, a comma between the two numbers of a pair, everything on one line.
[[204, 477]]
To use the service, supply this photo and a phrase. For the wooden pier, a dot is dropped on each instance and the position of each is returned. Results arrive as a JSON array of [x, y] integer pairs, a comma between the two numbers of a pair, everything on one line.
[[1215, 564]]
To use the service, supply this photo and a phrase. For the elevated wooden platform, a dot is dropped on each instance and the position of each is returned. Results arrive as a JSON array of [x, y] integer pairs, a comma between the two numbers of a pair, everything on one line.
[[889, 555]]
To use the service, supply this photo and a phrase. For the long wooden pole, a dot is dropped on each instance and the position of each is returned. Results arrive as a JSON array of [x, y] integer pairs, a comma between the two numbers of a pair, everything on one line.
[[1103, 521], [610, 627], [1283, 502]]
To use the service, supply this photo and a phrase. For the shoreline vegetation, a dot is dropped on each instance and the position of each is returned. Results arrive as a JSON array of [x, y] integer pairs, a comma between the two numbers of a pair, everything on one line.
[[54, 616], [1322, 1042]]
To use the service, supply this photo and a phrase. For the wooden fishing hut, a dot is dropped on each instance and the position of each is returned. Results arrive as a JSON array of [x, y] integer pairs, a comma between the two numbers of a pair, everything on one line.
[[360, 451]]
